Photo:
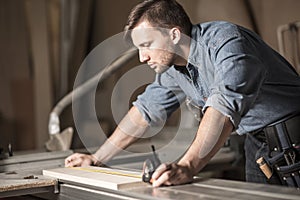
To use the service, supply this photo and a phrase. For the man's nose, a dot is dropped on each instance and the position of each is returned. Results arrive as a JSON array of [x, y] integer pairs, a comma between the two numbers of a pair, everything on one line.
[[144, 57]]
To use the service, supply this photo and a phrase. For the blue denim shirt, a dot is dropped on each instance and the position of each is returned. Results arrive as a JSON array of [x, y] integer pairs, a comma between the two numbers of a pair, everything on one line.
[[232, 70]]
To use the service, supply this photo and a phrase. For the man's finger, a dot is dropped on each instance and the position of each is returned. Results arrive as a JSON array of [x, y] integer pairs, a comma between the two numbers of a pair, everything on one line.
[[160, 170], [74, 163], [69, 160], [164, 179], [74, 160]]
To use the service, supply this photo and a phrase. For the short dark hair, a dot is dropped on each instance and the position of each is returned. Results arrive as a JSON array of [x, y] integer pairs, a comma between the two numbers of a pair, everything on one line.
[[159, 13]]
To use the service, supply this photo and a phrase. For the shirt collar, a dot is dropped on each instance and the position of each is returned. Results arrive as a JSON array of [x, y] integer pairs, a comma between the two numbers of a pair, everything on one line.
[[194, 45]]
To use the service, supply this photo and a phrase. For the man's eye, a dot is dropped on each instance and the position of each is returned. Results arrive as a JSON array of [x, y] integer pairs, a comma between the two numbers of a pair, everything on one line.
[[146, 44]]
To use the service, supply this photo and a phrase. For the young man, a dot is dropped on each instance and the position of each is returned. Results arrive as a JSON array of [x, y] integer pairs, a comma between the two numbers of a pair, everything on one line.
[[240, 82]]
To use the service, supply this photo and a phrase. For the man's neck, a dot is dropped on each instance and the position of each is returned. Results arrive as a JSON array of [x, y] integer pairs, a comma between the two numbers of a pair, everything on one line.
[[183, 53]]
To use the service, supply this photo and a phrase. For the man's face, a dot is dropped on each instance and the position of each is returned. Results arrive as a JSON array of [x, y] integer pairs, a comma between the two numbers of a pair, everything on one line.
[[155, 48]]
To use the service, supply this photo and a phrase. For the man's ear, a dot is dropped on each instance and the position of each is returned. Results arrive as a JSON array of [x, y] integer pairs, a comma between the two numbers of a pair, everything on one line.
[[175, 35]]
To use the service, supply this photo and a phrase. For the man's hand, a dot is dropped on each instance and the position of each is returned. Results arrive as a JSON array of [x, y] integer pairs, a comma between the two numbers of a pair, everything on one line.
[[171, 174], [79, 159], [213, 131]]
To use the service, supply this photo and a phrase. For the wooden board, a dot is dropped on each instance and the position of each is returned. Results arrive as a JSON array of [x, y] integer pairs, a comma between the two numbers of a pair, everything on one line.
[[97, 176], [21, 184], [39, 36], [24, 182]]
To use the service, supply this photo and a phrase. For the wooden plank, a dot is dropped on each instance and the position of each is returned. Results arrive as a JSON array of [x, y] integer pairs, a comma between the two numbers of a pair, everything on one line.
[[14, 67], [39, 36], [22, 101], [13, 183], [21, 184], [14, 59], [98, 177]]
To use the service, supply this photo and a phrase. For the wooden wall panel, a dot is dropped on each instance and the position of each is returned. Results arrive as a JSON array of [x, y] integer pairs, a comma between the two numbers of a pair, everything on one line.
[[15, 71], [40, 54], [23, 104]]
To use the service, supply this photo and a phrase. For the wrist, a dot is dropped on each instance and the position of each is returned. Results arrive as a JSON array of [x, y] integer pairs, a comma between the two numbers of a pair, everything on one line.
[[104, 153], [192, 165], [95, 160]]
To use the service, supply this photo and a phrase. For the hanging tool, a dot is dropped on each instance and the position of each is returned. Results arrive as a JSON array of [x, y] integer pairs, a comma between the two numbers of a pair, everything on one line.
[[150, 165], [62, 140]]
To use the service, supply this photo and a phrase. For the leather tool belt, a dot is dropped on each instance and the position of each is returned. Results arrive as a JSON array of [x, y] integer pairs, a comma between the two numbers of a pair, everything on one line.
[[283, 139]]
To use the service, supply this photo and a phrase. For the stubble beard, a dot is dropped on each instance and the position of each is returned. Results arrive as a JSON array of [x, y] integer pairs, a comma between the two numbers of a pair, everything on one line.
[[166, 62]]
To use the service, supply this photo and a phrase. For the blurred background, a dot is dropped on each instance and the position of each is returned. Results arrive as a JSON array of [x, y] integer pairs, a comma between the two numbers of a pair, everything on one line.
[[43, 43]]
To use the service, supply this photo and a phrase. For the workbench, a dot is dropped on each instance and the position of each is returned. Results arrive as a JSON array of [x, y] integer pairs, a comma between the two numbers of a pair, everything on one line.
[[21, 174], [200, 189], [27, 182]]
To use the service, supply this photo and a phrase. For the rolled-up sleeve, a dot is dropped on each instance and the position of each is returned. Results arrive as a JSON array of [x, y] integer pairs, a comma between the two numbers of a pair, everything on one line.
[[159, 100], [238, 77]]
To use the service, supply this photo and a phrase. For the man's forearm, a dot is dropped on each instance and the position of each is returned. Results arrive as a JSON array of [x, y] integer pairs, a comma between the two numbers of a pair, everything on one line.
[[213, 131], [132, 127]]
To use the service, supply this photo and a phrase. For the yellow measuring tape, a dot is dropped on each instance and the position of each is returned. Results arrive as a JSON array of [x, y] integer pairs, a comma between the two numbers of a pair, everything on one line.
[[108, 171]]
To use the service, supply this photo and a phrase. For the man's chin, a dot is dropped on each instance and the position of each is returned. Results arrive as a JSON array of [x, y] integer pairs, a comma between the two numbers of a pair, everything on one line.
[[161, 69]]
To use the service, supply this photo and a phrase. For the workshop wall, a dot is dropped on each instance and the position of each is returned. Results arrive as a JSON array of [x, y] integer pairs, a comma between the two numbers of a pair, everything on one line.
[[16, 85], [262, 16], [88, 23]]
